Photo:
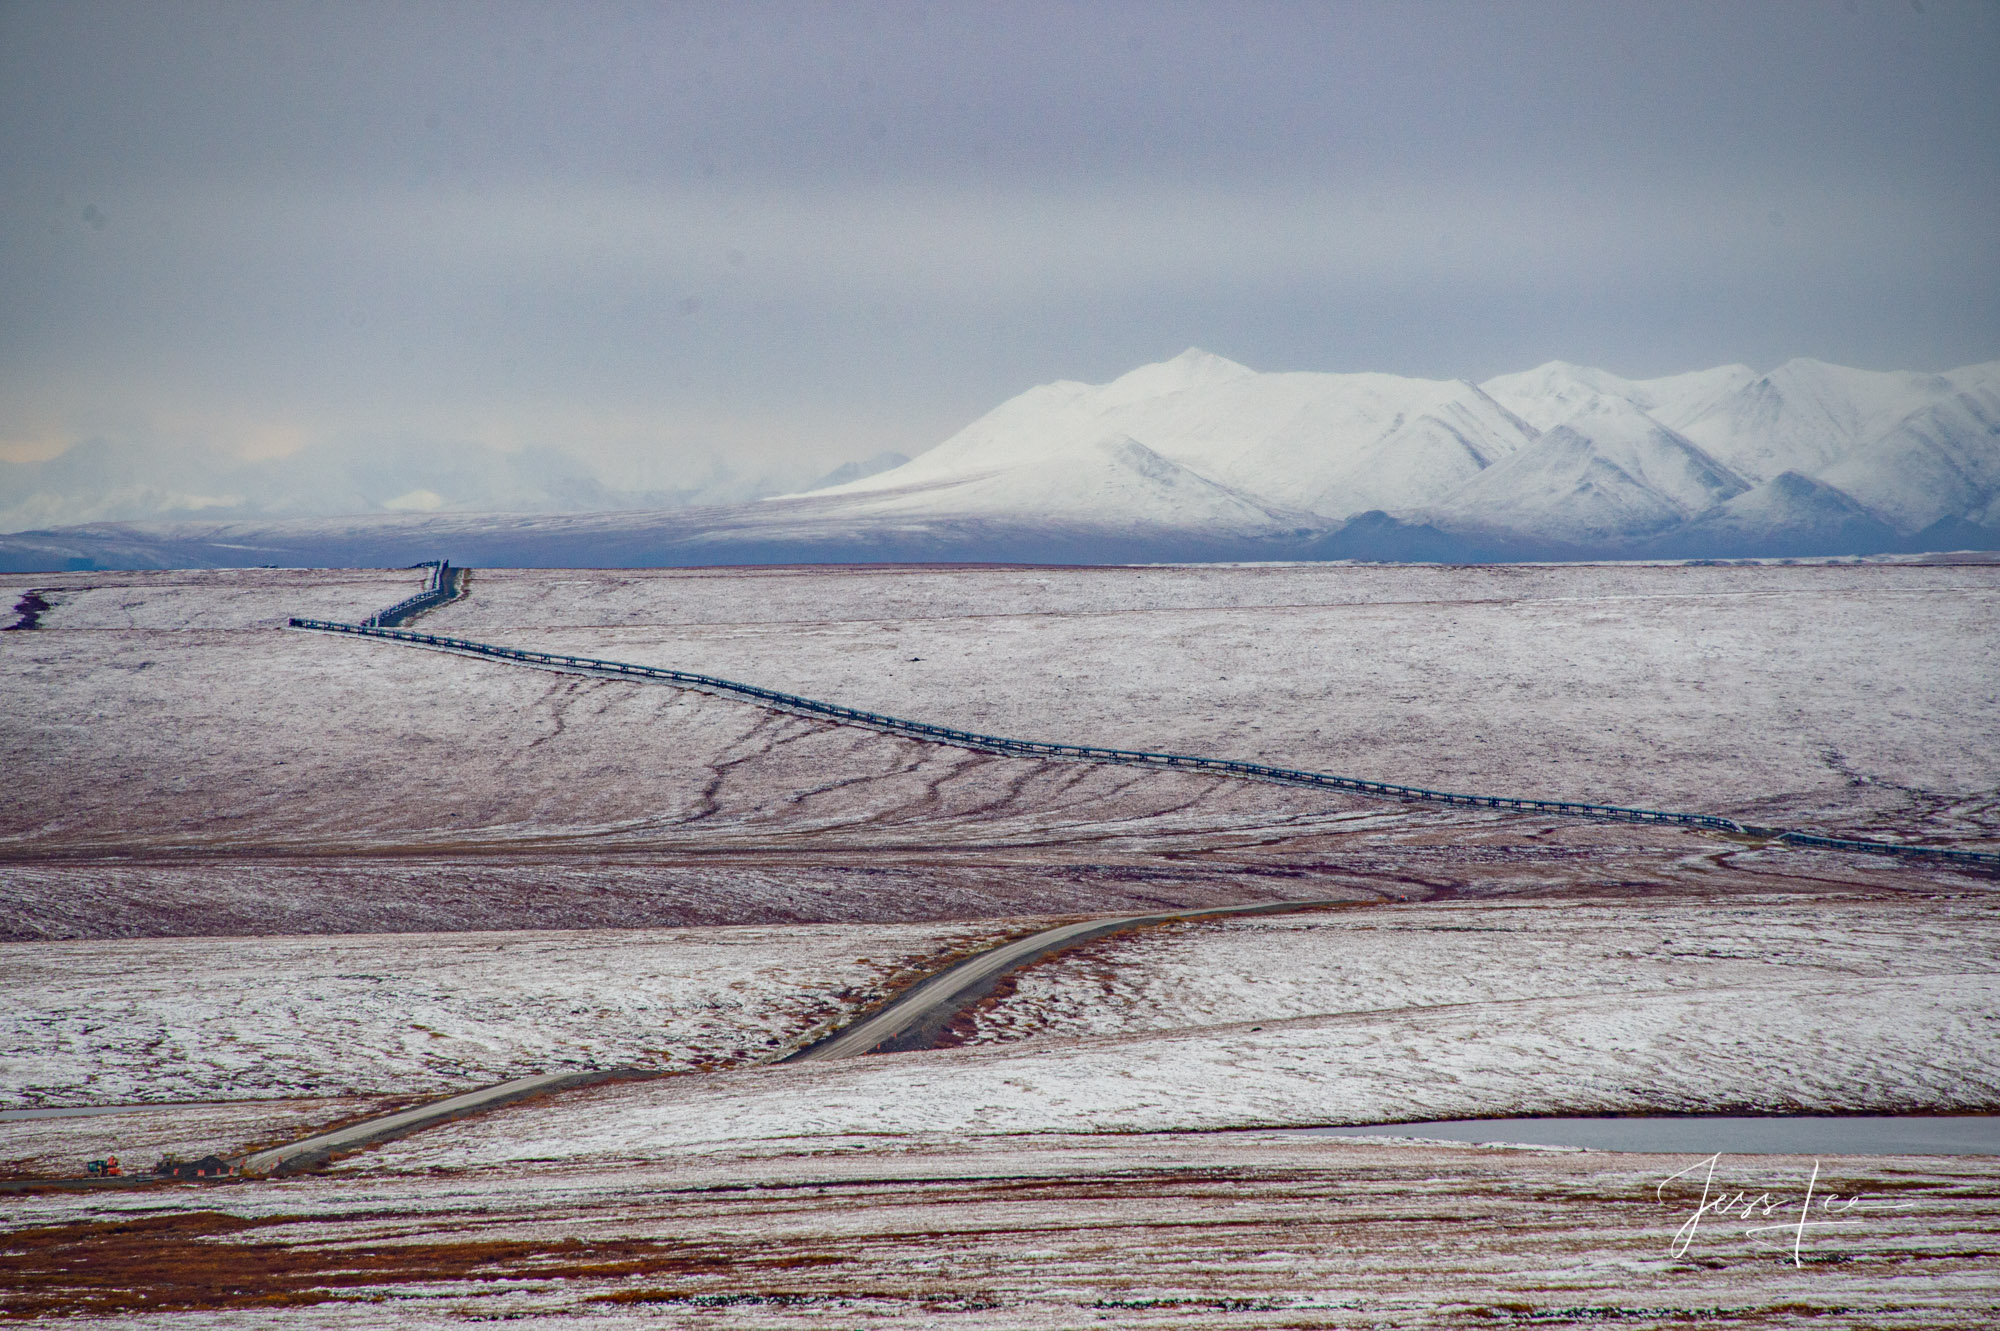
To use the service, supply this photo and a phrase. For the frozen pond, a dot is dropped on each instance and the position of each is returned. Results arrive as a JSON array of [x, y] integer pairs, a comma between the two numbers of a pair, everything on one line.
[[1704, 1134]]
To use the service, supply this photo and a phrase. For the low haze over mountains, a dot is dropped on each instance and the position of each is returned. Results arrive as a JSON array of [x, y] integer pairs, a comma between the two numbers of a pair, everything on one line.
[[1200, 457], [104, 481]]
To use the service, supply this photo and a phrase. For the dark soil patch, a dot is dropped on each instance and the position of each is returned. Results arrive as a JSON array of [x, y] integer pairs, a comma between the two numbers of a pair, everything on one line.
[[28, 611]]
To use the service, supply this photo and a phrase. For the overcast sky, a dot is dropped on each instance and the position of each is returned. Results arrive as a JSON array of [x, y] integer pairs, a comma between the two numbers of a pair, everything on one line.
[[666, 233]]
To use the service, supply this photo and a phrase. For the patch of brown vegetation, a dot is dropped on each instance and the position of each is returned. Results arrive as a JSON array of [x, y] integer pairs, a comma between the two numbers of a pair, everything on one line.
[[961, 1028], [1141, 1231], [210, 1260]]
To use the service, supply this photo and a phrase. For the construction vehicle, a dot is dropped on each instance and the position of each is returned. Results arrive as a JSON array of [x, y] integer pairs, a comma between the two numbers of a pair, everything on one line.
[[209, 1166]]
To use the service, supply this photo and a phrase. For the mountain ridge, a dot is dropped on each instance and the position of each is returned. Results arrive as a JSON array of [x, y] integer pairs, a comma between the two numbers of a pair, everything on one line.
[[1200, 457]]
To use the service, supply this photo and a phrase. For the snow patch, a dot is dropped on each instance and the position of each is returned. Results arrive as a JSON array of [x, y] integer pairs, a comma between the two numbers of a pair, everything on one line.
[[415, 501]]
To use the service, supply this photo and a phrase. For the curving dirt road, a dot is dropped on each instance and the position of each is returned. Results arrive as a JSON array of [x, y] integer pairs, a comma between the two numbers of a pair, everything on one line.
[[913, 1019]]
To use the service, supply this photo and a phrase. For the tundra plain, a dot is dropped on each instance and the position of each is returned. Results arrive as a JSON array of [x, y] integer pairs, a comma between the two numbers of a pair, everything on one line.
[[297, 877]]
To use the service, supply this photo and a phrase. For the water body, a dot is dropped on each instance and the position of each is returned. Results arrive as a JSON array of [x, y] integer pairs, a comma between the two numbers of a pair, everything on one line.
[[1705, 1134], [88, 1111]]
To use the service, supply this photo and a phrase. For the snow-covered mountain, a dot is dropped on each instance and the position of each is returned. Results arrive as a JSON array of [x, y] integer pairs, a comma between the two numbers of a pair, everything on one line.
[[1325, 444], [1807, 414], [1937, 463], [1605, 472], [1548, 394], [1113, 475], [1788, 514], [1809, 455]]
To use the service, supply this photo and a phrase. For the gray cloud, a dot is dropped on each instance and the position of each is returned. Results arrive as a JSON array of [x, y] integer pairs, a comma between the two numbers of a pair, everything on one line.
[[661, 235]]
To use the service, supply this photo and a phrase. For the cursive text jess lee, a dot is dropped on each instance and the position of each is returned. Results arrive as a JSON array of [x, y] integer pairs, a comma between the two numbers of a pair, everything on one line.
[[1835, 1211]]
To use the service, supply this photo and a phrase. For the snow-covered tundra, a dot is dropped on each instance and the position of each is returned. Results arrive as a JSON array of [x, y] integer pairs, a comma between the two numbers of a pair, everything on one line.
[[181, 764]]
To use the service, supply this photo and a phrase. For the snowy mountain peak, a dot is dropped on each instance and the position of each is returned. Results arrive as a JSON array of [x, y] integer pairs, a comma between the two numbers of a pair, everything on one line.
[[1550, 393], [1192, 369], [1607, 470], [1545, 395], [1675, 399], [1607, 412], [1937, 463], [1556, 374], [1807, 414]]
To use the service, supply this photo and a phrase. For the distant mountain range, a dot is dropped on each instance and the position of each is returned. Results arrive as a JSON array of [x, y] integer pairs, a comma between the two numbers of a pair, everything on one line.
[[1201, 458], [1808, 459]]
